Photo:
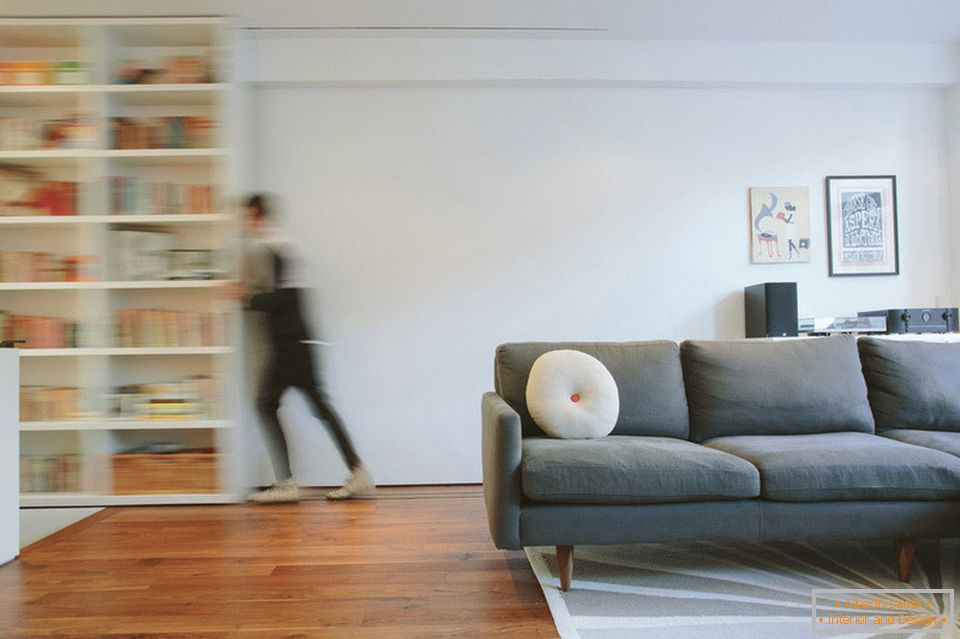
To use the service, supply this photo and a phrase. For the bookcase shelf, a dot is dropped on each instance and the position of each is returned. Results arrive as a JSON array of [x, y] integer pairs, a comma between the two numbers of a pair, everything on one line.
[[119, 424], [106, 286], [65, 500], [142, 155], [131, 94], [126, 351], [43, 220], [63, 138], [165, 94]]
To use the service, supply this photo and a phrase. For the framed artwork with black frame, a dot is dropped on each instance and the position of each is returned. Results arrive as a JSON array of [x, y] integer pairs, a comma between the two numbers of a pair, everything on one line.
[[862, 234]]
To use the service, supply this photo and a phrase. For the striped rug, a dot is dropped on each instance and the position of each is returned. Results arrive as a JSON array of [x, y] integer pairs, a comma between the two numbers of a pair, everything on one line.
[[726, 590]]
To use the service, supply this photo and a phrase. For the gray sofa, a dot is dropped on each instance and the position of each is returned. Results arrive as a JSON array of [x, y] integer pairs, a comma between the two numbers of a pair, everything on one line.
[[829, 438]]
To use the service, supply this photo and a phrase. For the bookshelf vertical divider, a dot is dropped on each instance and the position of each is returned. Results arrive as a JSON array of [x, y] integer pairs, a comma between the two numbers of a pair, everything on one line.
[[151, 422]]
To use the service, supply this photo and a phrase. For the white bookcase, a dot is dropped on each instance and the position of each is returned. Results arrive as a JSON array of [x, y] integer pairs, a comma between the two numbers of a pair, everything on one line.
[[9, 467], [99, 364]]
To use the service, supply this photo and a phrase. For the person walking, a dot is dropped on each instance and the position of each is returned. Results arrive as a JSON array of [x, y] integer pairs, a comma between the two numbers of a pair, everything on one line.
[[269, 287]]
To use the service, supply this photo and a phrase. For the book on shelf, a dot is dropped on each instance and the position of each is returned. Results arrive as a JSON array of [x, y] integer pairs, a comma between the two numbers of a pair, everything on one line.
[[52, 403], [28, 266], [170, 132], [50, 473], [44, 72], [181, 69], [194, 264], [137, 327], [38, 331], [194, 397], [150, 254], [74, 130], [132, 196], [25, 191], [40, 266], [141, 254]]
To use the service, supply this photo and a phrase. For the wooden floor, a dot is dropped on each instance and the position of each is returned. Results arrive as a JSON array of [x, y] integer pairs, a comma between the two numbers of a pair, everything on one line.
[[412, 562]]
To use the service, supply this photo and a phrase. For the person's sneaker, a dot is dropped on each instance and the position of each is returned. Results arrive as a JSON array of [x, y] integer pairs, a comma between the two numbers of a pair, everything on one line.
[[283, 493], [359, 483]]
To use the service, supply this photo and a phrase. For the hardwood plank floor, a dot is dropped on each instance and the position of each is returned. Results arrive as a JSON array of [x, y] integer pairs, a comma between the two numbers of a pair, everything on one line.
[[412, 562]]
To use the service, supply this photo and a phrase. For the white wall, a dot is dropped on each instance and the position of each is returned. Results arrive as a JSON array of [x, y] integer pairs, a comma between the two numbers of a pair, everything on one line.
[[303, 56], [10, 447], [953, 202], [440, 222]]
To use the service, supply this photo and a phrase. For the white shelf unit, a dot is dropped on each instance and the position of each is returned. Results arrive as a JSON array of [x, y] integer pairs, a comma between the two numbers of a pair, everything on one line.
[[98, 365]]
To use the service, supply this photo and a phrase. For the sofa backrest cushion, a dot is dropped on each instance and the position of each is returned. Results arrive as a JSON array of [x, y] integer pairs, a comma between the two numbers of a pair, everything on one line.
[[912, 384], [780, 387], [648, 375]]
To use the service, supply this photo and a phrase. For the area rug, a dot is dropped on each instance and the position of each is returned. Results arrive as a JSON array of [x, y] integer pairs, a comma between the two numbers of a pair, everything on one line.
[[727, 590]]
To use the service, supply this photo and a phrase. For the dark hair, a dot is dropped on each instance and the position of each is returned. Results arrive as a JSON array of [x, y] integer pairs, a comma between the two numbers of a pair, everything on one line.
[[258, 202]]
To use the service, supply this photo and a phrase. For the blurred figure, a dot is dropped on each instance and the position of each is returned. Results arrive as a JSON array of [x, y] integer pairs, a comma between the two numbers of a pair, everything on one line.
[[269, 287]]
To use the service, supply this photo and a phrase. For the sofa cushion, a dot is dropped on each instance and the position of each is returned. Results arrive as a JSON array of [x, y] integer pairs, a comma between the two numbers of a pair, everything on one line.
[[648, 378], [789, 387], [844, 467], [571, 395], [912, 384], [946, 441], [632, 470]]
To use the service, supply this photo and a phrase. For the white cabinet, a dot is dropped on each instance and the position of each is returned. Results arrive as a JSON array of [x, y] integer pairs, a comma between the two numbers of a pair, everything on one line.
[[10, 453], [116, 128]]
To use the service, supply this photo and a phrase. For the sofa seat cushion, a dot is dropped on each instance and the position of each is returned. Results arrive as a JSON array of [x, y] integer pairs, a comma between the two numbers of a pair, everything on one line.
[[947, 442], [844, 467], [632, 470]]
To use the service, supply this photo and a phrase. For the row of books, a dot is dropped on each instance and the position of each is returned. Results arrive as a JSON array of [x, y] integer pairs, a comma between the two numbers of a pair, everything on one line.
[[41, 72], [172, 132], [133, 196], [135, 327], [40, 266], [151, 254], [52, 403], [176, 70], [194, 397], [72, 131], [39, 331], [161, 328], [50, 473], [21, 194], [132, 261]]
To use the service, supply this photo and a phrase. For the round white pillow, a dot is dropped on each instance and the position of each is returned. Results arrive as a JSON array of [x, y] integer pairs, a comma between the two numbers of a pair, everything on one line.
[[572, 395]]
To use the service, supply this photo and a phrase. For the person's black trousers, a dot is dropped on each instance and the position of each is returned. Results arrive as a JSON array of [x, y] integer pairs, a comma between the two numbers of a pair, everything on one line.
[[292, 366]]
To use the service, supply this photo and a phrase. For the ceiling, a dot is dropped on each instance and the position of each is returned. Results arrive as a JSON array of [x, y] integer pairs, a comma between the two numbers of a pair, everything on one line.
[[934, 21]]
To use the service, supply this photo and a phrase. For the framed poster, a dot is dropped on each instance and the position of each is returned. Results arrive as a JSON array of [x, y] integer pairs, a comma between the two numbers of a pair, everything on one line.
[[780, 224], [862, 225]]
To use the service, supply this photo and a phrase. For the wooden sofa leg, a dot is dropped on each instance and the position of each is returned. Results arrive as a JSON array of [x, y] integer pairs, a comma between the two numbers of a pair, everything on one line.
[[565, 566], [905, 549]]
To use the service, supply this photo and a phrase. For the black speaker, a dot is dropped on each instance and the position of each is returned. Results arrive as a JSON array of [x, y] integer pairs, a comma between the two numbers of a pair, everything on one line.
[[770, 309]]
